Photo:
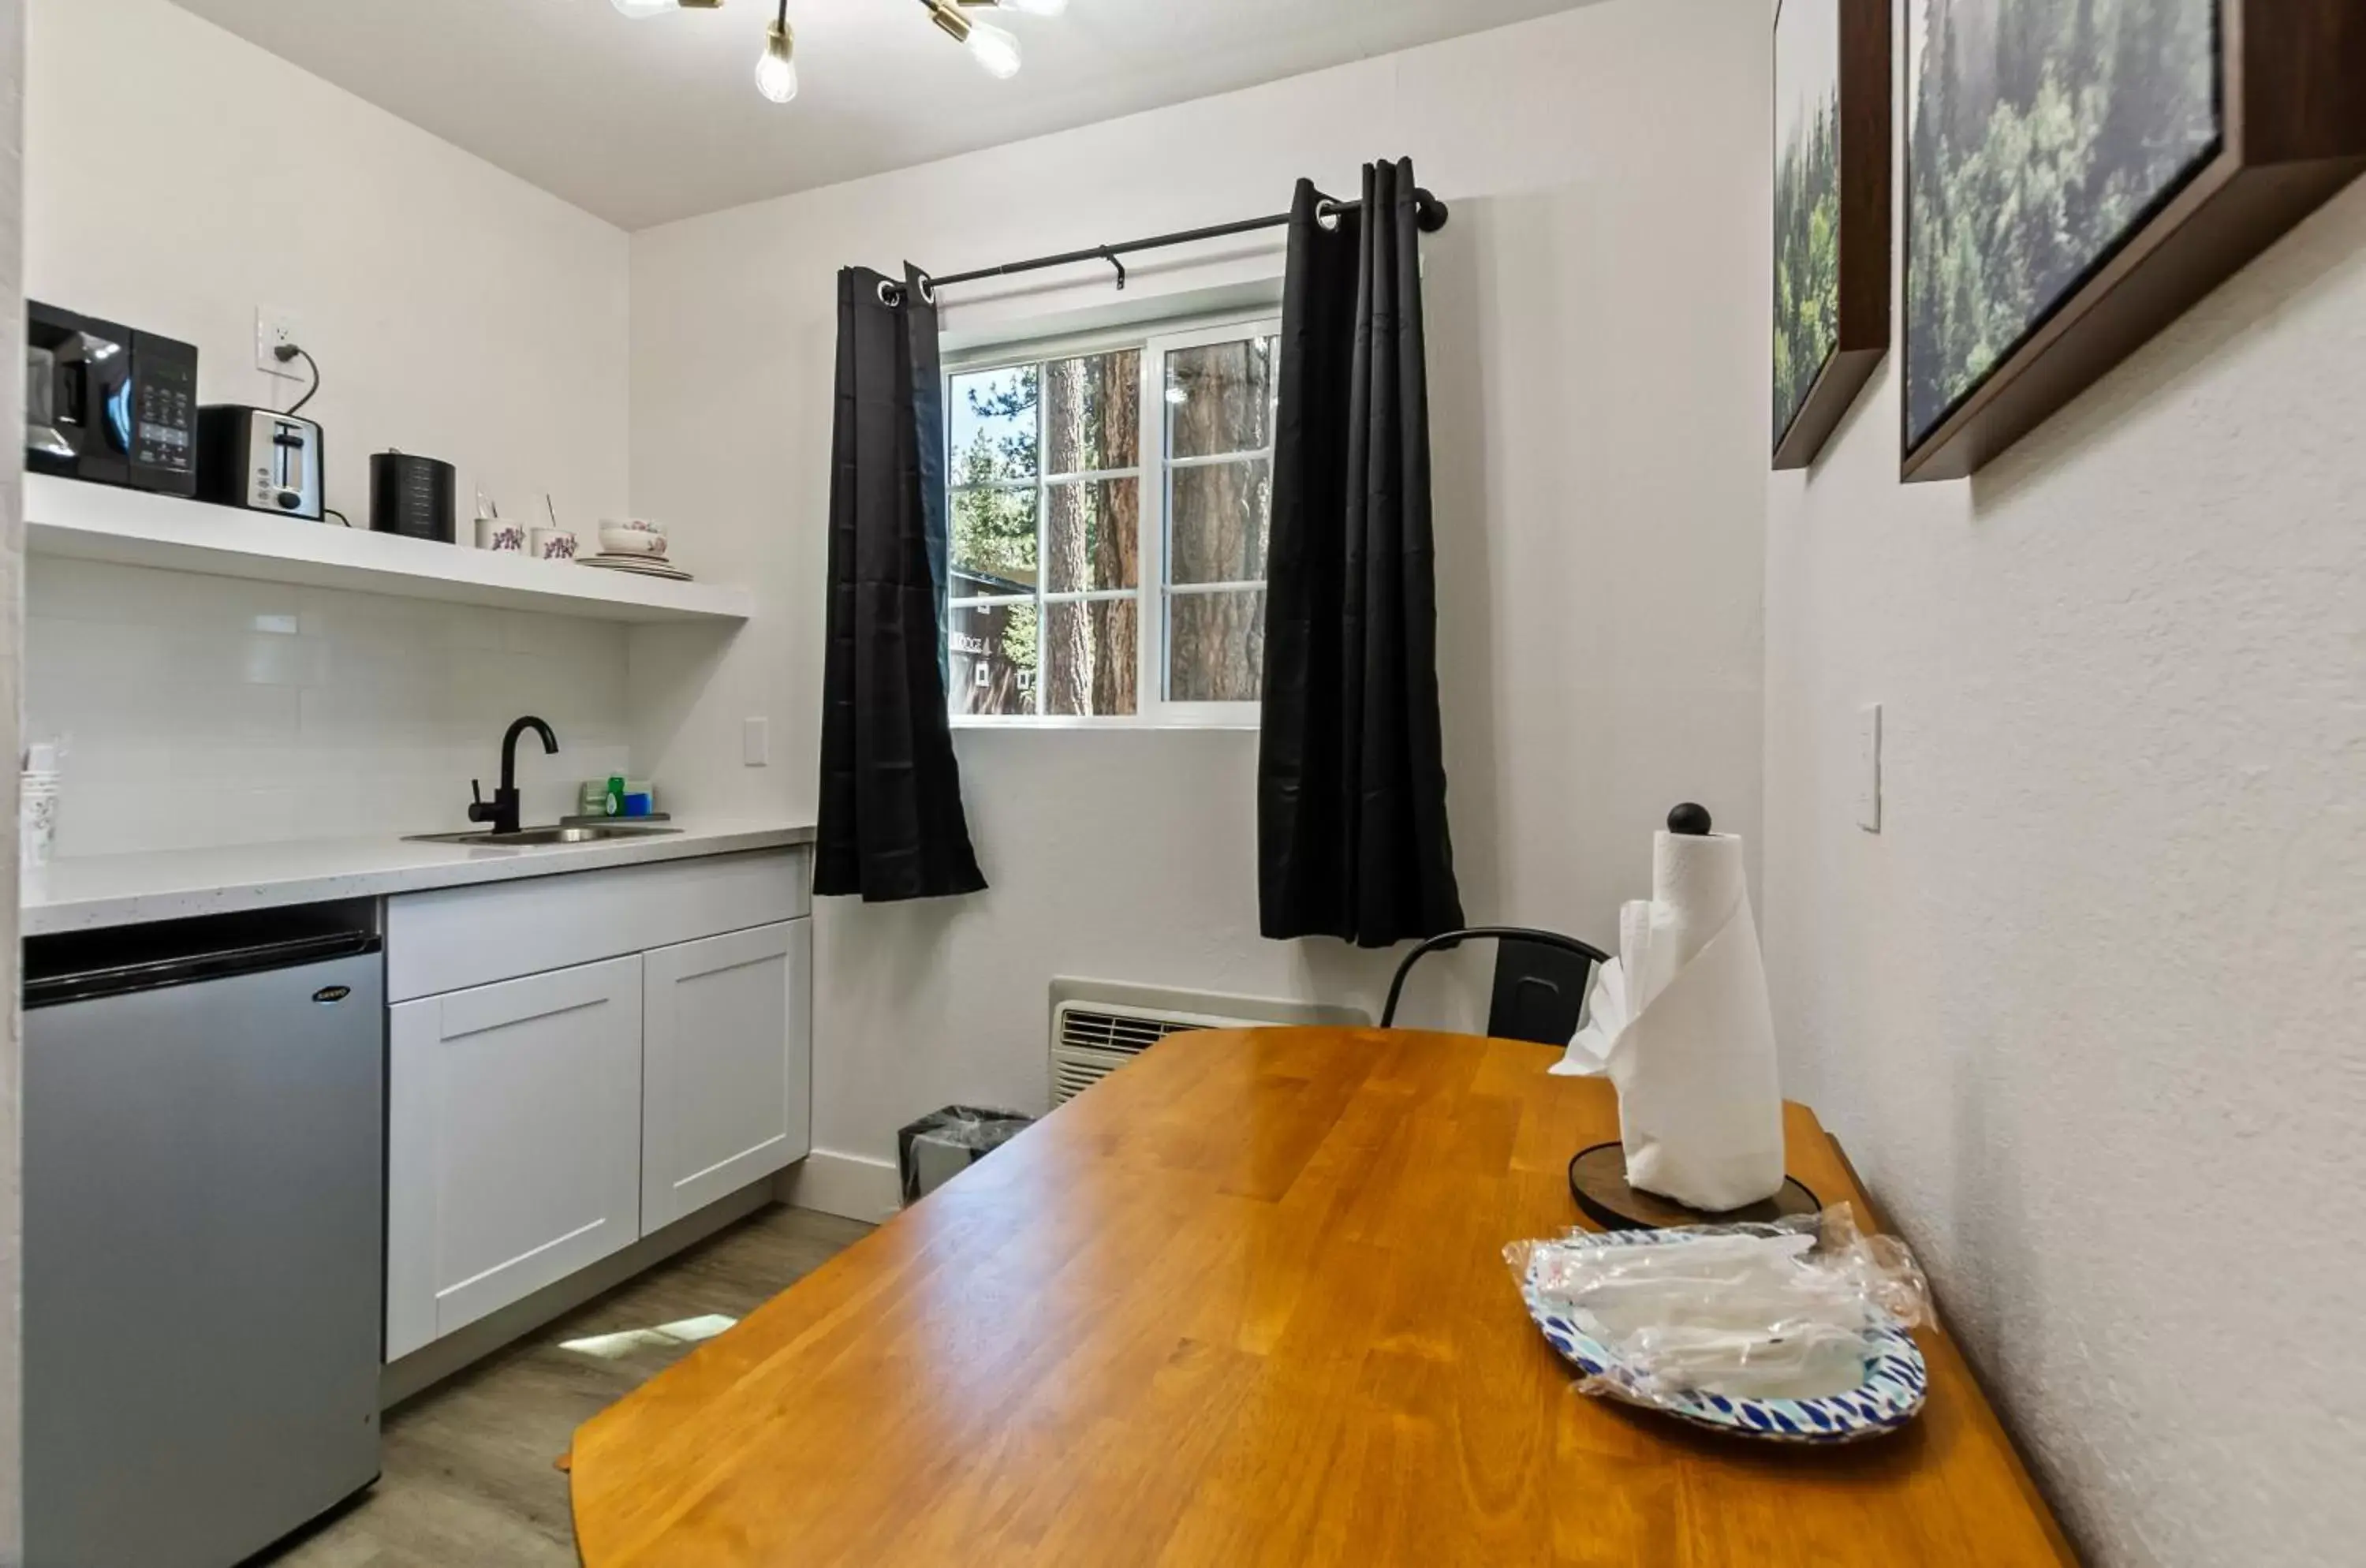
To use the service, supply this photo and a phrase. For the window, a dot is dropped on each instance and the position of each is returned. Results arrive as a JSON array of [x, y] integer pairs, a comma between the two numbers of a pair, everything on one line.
[[1111, 505]]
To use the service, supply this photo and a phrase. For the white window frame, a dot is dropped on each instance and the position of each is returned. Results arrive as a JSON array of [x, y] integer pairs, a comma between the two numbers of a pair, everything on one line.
[[1153, 710]]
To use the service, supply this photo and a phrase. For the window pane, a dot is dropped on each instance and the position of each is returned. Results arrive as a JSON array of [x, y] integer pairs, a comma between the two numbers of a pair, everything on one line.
[[993, 666], [1220, 398], [1218, 518], [1089, 657], [1092, 532], [1215, 646], [993, 542], [1092, 413], [990, 424]]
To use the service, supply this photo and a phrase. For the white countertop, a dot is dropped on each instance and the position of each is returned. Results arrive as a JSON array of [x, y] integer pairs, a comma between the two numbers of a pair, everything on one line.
[[122, 890]]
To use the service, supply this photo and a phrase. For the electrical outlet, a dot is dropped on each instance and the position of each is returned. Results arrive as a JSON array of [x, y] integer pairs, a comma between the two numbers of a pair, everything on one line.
[[1868, 768], [756, 742], [273, 329]]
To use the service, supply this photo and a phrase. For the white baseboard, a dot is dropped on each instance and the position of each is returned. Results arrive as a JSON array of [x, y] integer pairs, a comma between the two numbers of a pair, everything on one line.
[[853, 1187]]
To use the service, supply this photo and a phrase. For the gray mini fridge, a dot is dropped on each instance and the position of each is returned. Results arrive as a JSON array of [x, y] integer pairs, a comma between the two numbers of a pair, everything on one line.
[[204, 1192]]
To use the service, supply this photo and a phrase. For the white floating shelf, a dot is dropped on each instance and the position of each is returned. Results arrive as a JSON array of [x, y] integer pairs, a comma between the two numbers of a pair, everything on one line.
[[106, 523]]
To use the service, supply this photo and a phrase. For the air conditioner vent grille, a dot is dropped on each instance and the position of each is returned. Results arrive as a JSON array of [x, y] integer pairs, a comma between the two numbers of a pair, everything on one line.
[[1100, 1026], [1071, 1076], [1086, 1030]]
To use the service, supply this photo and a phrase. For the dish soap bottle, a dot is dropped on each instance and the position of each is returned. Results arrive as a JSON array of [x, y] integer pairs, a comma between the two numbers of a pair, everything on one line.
[[614, 804]]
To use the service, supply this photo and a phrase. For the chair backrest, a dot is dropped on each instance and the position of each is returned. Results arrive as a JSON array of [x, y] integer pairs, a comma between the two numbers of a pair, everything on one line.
[[1541, 979]]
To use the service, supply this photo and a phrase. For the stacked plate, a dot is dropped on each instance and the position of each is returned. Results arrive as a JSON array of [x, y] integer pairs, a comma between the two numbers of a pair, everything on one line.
[[635, 545]]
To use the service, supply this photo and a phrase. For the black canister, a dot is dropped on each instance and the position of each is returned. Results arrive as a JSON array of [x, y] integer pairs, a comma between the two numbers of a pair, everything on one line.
[[412, 496]]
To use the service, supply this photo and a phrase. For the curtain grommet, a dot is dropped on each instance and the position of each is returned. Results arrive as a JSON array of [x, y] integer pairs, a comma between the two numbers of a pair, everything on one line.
[[889, 294], [928, 289], [1327, 214]]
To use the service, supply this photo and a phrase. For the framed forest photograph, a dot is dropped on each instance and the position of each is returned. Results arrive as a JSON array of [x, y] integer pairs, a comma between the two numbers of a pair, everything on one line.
[[2079, 172], [1832, 215]]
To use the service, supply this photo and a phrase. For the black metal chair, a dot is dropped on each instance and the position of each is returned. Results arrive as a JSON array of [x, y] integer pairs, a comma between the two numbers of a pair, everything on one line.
[[1541, 979]]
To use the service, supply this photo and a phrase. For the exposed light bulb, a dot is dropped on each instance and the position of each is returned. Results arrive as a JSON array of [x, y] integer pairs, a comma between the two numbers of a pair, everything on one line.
[[776, 73], [1036, 7], [995, 50], [639, 8]]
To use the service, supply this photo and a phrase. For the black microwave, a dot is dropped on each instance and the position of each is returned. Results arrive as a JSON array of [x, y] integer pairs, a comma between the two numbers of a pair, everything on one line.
[[108, 404]]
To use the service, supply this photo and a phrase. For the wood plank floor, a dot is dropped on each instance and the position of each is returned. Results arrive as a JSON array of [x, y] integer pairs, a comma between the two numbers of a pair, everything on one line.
[[468, 1474]]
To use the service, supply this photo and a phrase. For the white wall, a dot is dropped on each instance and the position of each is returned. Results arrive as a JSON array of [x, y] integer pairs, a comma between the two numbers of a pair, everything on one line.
[[208, 710], [2089, 1013], [176, 177], [12, 540], [1596, 317]]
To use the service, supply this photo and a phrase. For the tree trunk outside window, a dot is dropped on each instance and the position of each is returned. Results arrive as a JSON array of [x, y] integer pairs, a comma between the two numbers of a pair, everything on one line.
[[1216, 530]]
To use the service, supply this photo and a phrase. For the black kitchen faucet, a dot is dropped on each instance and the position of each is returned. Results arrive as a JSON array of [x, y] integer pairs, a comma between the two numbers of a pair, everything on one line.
[[502, 813]]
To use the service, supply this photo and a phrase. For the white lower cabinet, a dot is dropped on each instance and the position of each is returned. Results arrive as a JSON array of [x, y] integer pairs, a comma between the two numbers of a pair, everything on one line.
[[727, 1062], [576, 1061], [513, 1151]]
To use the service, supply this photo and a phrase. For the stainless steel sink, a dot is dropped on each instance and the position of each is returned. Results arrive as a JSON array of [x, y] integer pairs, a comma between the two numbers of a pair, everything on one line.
[[530, 837]]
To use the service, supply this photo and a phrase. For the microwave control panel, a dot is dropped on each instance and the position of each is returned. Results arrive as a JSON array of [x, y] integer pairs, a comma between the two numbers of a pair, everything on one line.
[[164, 426], [162, 393]]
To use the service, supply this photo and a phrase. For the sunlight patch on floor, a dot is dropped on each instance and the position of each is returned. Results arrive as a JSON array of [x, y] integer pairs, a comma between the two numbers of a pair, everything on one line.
[[665, 1335]]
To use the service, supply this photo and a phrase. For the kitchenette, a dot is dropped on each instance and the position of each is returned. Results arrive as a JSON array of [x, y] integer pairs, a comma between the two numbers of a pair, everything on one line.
[[412, 950], [311, 1123], [377, 1007]]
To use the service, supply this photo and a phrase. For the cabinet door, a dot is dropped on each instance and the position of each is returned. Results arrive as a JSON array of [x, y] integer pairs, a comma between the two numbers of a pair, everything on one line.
[[513, 1142], [728, 1066]]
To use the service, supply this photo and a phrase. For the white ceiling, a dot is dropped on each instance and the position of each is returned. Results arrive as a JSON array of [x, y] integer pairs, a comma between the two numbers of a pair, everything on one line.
[[646, 122]]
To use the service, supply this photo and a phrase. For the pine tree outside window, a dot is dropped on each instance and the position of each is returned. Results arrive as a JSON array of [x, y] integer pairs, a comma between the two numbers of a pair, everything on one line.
[[1110, 501]]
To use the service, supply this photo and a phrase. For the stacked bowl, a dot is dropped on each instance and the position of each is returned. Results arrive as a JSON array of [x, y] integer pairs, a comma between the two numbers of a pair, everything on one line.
[[635, 545]]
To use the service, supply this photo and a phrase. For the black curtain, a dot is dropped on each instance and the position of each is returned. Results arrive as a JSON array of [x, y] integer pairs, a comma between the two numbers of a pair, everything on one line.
[[891, 823], [1352, 840]]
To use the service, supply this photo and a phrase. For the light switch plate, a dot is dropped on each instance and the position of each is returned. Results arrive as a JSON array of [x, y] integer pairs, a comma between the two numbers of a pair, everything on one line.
[[274, 327], [1868, 768], [756, 742]]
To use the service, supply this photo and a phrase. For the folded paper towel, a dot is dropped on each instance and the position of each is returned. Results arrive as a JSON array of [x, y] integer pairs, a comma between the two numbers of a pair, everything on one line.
[[1680, 1022]]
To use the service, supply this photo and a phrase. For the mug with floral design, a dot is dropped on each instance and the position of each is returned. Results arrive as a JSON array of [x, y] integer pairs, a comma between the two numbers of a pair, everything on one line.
[[501, 535]]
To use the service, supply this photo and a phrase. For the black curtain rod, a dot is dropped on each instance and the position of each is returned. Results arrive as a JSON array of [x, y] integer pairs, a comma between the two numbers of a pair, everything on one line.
[[1428, 211]]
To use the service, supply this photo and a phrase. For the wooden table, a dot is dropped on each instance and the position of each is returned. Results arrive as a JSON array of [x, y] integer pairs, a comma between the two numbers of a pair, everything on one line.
[[1243, 1302]]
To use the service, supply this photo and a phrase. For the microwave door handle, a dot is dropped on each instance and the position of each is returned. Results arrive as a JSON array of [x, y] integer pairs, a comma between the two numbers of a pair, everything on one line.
[[70, 384]]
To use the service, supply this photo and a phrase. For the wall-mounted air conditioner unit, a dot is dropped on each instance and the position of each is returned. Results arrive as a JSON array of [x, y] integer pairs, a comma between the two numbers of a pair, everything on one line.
[[1098, 1026]]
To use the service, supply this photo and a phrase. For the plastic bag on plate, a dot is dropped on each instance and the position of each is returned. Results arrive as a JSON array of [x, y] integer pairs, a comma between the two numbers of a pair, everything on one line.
[[1776, 1311]]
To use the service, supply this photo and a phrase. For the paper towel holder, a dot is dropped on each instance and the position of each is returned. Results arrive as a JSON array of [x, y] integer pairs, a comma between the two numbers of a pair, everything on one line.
[[1597, 1179], [1690, 819]]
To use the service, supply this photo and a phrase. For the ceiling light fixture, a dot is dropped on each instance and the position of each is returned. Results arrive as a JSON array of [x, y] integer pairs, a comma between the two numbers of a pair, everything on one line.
[[776, 73], [988, 45]]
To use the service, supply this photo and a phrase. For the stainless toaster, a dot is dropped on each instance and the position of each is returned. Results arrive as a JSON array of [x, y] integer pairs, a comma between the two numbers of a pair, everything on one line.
[[260, 458]]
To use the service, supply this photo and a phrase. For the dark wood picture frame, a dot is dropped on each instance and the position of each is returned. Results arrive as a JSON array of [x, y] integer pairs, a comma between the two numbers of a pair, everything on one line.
[[1865, 60], [2292, 116]]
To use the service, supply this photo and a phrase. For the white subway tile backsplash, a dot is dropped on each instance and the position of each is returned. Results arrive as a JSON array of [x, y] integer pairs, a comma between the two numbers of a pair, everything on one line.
[[208, 710]]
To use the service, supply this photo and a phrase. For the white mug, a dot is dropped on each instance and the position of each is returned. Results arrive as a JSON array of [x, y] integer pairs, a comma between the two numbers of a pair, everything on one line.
[[552, 544], [504, 536]]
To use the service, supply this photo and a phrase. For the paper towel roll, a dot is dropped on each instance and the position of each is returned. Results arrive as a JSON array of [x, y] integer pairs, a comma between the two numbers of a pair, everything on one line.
[[1700, 1105], [1699, 880]]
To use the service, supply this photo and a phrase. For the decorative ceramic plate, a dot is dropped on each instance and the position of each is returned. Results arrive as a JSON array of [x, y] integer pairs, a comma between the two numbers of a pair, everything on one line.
[[1890, 1396]]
